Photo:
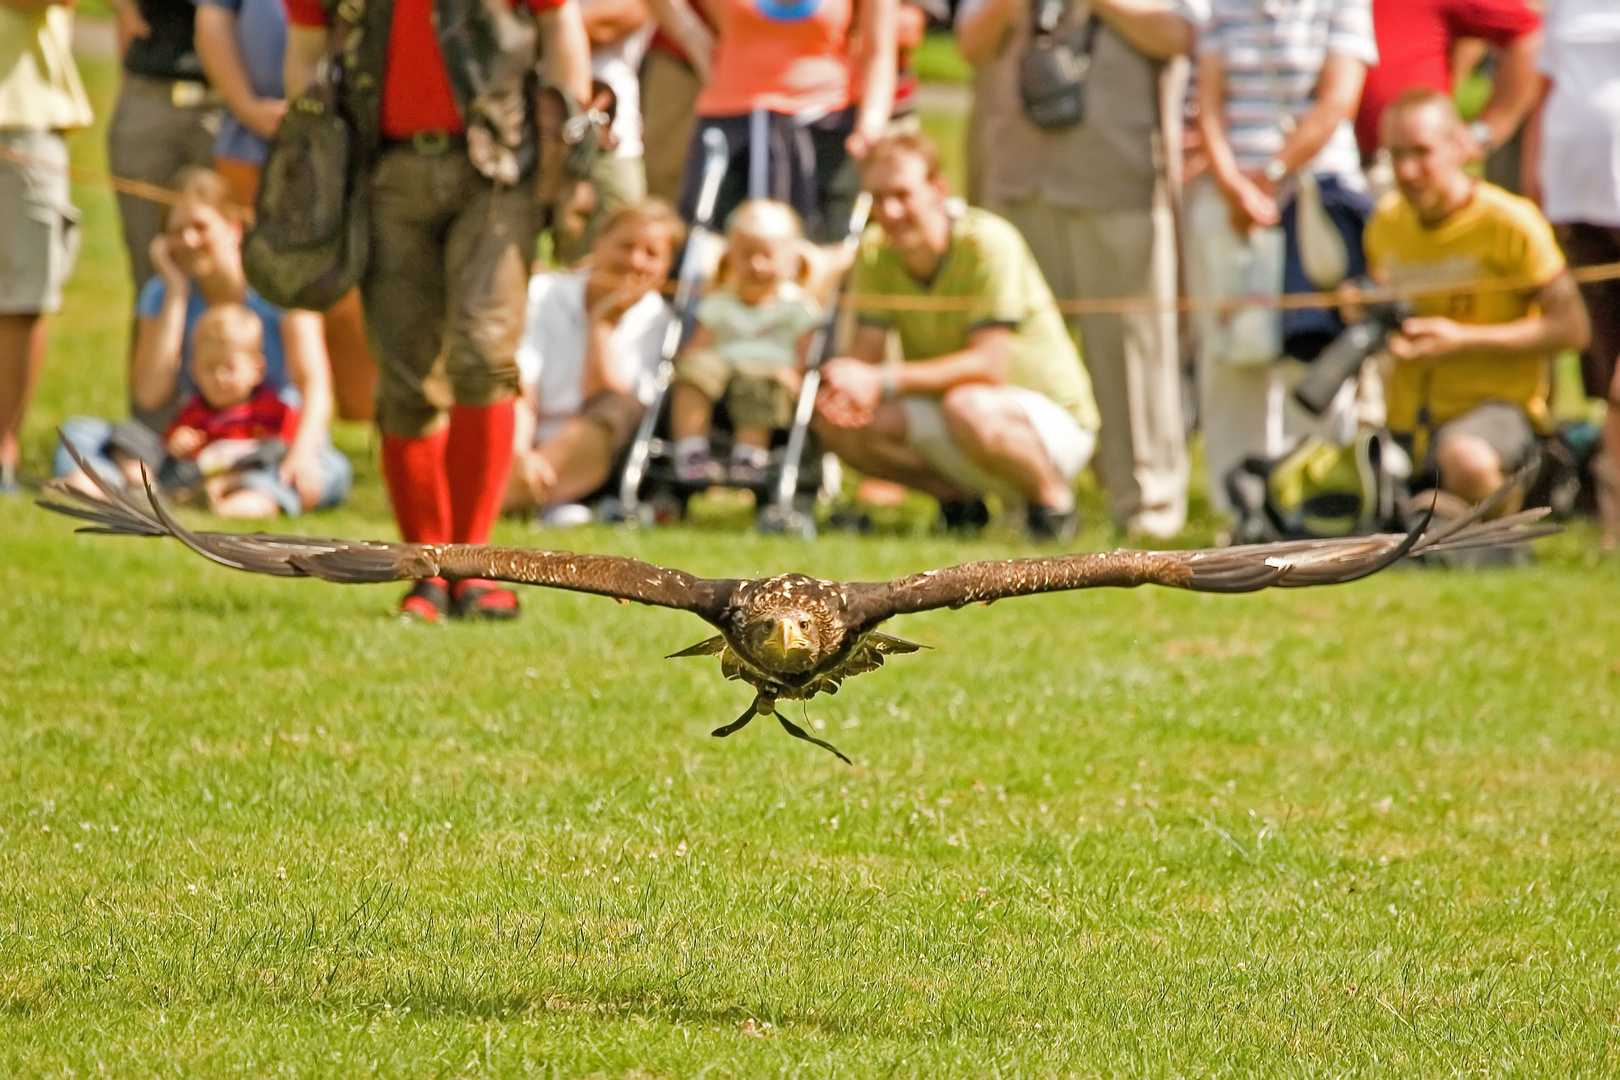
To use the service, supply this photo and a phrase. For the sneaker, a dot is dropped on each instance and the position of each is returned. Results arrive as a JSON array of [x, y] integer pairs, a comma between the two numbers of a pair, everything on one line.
[[428, 601], [482, 599], [963, 517], [748, 465], [1044, 525], [697, 467], [566, 515]]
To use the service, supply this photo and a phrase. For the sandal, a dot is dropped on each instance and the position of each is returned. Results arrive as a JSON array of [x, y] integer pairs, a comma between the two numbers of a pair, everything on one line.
[[480, 598], [428, 601]]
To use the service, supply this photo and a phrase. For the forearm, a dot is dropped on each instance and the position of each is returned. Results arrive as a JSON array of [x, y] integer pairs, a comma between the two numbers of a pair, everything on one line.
[[215, 39], [1337, 93], [306, 46], [601, 373], [1515, 89], [567, 51], [979, 33], [878, 68], [155, 364], [1211, 92], [1533, 335], [1148, 26], [931, 378], [309, 369], [681, 22]]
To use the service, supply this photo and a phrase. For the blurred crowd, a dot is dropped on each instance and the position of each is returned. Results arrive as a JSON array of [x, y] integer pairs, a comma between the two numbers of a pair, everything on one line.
[[1144, 180]]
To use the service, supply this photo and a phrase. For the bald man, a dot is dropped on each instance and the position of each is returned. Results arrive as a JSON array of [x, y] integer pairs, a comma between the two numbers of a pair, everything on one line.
[[1472, 372]]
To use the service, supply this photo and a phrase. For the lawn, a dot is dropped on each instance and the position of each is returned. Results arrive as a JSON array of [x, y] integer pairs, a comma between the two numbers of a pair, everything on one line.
[[253, 826]]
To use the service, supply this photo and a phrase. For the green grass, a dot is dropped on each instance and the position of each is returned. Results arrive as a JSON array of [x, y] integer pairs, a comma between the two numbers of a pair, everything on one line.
[[255, 827]]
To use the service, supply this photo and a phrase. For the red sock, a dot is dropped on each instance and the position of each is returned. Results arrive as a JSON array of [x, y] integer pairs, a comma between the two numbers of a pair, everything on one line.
[[414, 471], [478, 460]]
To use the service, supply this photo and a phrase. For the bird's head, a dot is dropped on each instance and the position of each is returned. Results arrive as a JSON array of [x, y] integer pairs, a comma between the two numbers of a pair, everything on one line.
[[789, 641]]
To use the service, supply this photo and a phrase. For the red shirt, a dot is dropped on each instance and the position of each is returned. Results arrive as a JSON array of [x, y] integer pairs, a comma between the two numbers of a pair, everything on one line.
[[1414, 48], [262, 416], [416, 89]]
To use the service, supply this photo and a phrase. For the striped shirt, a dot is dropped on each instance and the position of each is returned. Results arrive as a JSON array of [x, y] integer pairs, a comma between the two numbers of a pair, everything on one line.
[[1297, 36]]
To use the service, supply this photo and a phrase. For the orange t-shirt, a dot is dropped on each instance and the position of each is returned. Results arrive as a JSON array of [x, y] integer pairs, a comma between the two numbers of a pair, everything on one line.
[[788, 56], [416, 93]]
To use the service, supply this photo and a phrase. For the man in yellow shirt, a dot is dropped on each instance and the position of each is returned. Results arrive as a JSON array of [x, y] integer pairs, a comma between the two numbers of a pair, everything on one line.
[[40, 98], [1472, 369]]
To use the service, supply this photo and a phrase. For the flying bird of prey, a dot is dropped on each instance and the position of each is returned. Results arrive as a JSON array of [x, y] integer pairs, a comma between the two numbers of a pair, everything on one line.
[[792, 637]]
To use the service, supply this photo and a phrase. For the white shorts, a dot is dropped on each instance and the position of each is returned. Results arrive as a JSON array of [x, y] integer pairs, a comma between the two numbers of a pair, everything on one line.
[[1068, 445]]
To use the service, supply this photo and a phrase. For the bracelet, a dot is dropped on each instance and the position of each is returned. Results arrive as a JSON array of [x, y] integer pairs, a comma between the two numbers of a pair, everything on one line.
[[891, 382]]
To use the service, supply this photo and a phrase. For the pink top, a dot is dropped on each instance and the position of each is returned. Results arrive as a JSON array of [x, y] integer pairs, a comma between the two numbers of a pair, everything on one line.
[[788, 56]]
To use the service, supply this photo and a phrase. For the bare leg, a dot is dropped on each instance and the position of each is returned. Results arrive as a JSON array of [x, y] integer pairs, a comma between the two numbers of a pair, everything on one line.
[[1470, 469], [22, 355], [880, 450], [230, 501], [996, 435], [581, 456], [754, 436], [689, 411], [1608, 472]]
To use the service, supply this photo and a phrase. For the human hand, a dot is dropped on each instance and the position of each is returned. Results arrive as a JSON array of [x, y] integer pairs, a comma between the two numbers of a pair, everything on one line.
[[1428, 338], [184, 442], [538, 474], [851, 391], [1252, 203], [1352, 306], [865, 136], [264, 116], [301, 469], [162, 252]]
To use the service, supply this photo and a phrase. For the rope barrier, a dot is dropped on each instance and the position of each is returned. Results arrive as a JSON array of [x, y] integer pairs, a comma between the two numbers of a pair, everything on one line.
[[1068, 306]]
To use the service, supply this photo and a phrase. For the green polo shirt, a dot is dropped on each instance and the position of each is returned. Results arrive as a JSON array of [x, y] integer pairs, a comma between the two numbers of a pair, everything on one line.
[[987, 278]]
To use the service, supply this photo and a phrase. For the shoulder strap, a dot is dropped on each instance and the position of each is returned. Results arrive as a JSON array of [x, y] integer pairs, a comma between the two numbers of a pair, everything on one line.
[[1045, 15]]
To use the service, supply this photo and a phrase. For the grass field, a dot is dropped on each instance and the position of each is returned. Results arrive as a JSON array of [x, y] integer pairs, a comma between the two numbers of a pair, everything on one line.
[[255, 827]]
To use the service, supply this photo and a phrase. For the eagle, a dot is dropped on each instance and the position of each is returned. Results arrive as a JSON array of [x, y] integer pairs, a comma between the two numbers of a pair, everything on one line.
[[791, 636]]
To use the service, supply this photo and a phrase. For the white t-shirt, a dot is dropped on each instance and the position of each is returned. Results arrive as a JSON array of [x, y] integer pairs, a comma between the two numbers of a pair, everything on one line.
[[619, 65], [551, 356], [1274, 52], [1580, 125]]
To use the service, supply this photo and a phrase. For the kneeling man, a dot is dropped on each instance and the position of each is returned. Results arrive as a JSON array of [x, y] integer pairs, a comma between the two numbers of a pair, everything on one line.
[[1473, 370], [992, 397]]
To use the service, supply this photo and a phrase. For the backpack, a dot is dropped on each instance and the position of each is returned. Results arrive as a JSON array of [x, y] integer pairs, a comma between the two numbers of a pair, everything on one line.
[[1320, 489]]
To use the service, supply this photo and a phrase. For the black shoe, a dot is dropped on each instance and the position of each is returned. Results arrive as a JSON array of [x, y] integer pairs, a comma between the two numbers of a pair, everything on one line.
[[963, 517], [1044, 525]]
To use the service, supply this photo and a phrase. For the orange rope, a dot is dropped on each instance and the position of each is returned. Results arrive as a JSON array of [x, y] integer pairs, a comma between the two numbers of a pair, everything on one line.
[[1119, 306]]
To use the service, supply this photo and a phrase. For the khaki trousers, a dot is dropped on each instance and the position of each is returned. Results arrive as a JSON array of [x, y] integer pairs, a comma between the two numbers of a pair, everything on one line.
[[1133, 358], [669, 90], [445, 289]]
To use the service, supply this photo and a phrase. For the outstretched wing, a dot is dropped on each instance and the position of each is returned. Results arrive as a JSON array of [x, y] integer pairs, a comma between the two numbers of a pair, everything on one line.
[[1245, 568], [363, 561]]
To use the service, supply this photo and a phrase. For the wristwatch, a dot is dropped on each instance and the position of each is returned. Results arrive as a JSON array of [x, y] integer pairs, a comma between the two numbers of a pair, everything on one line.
[[1480, 132], [1276, 171]]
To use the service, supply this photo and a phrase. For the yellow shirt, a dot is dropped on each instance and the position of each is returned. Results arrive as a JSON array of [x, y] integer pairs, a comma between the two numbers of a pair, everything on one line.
[[1497, 236], [39, 84]]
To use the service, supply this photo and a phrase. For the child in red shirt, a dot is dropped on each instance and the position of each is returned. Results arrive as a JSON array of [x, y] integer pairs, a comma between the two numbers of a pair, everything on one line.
[[234, 430]]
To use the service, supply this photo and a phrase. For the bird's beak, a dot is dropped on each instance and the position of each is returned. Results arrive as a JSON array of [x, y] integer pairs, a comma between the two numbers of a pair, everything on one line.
[[787, 639]]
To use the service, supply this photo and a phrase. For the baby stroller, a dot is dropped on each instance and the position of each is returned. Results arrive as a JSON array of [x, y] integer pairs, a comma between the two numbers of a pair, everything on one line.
[[785, 496]]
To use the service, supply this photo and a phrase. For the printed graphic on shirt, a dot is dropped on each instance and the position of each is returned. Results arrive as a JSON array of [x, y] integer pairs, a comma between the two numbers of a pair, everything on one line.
[[788, 11]]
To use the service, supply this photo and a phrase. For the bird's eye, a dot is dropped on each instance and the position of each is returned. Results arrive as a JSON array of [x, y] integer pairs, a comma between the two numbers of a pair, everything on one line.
[[804, 624]]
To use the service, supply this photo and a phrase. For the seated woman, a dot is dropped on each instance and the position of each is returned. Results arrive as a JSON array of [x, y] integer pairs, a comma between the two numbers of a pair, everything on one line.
[[591, 344], [199, 261]]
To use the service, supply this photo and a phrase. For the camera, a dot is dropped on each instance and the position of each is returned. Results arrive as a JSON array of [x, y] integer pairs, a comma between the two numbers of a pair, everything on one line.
[[1343, 357]]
